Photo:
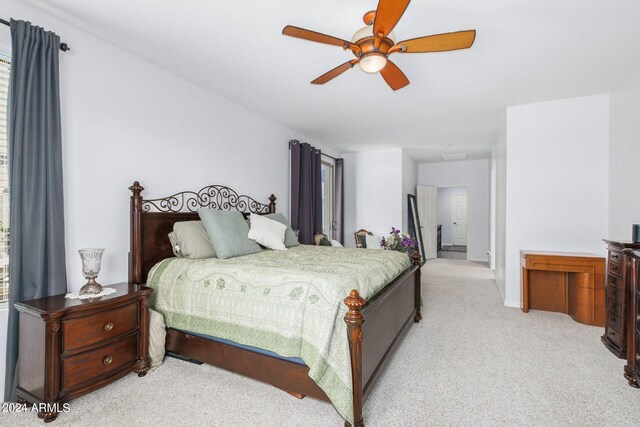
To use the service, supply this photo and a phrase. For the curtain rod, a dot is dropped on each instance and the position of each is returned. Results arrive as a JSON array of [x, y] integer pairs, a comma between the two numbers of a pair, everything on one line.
[[326, 155], [63, 46]]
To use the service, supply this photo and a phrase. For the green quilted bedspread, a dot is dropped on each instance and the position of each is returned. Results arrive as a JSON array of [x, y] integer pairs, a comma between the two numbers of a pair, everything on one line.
[[289, 302]]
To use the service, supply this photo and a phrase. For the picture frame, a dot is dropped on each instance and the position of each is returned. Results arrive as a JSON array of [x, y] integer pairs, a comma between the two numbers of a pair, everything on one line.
[[415, 229]]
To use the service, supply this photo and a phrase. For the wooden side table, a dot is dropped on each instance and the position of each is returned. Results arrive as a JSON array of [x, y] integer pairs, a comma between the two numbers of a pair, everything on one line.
[[68, 348], [565, 282]]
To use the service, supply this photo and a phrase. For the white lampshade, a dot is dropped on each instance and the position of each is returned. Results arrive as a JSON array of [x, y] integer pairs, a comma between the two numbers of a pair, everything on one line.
[[372, 62], [368, 32]]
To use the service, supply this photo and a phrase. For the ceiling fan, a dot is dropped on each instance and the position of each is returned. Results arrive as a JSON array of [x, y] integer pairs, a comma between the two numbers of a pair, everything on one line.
[[373, 44]]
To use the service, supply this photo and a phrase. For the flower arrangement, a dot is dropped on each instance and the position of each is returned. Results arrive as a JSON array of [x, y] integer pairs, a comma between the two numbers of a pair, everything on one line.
[[397, 241]]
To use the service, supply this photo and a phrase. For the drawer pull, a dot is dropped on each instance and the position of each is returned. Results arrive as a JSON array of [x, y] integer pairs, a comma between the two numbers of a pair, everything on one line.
[[107, 360], [108, 326], [614, 256]]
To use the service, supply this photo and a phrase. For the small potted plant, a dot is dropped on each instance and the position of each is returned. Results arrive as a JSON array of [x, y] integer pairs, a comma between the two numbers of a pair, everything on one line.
[[398, 241]]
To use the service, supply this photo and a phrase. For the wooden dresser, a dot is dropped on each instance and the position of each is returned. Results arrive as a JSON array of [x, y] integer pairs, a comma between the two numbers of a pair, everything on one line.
[[618, 297], [632, 368], [68, 348]]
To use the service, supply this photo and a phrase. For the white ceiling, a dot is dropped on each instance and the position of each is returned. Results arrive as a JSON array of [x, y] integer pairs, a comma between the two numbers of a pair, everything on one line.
[[525, 51]]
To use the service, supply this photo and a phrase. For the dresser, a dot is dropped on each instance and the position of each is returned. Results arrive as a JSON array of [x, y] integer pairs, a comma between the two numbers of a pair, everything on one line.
[[68, 348], [617, 297], [632, 368]]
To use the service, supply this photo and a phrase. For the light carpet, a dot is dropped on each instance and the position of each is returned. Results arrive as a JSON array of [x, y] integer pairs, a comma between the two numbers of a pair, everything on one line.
[[470, 362]]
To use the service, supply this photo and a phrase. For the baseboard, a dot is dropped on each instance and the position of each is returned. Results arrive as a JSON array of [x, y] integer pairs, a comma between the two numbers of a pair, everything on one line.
[[515, 304]]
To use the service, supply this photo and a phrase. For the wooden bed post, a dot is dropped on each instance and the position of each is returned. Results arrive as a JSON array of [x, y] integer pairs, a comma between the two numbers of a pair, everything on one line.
[[415, 260], [272, 204], [354, 320], [135, 251]]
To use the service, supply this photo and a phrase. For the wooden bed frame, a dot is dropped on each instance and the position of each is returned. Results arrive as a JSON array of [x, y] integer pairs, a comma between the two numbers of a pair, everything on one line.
[[387, 315]]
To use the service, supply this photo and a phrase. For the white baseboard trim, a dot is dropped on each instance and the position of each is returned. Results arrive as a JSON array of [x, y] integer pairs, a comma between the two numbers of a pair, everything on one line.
[[515, 304]]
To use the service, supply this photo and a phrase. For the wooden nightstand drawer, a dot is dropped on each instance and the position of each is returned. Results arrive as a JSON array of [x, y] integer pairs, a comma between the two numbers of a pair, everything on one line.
[[87, 366], [83, 331]]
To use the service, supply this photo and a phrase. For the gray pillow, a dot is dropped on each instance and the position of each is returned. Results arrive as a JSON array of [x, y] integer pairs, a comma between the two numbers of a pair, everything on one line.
[[290, 238], [228, 233], [190, 240]]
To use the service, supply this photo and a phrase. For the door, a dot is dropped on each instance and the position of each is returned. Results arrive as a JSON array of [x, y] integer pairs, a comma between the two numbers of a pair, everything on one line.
[[459, 217], [427, 197]]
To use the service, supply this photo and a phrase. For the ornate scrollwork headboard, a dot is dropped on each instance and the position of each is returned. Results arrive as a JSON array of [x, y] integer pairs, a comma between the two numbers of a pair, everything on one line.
[[152, 220]]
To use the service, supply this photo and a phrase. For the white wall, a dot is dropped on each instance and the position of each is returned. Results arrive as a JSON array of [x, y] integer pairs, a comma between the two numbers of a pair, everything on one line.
[[499, 158], [124, 119], [557, 180], [475, 175], [372, 192], [445, 211], [409, 184], [624, 160]]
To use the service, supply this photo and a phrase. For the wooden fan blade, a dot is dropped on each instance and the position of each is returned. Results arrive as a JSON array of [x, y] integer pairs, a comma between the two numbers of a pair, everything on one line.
[[439, 42], [314, 36], [329, 75], [394, 76], [388, 14]]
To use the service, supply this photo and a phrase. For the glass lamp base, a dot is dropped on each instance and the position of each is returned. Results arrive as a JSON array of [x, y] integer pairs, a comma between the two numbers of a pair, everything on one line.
[[92, 287]]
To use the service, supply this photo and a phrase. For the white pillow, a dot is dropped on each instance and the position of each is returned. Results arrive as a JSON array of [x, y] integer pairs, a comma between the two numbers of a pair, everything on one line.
[[373, 242], [336, 244], [267, 232]]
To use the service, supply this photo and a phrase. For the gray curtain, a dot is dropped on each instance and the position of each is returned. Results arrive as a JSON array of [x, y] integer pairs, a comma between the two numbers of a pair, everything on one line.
[[338, 215], [36, 248], [306, 191]]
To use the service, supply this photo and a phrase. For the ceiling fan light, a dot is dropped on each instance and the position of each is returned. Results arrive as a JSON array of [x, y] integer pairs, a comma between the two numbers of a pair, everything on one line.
[[372, 62], [368, 32]]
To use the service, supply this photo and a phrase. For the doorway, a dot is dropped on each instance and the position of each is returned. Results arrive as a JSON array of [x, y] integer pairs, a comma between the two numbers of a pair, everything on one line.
[[452, 218]]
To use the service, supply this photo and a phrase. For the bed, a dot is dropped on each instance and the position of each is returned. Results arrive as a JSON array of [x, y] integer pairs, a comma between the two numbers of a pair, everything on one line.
[[241, 292]]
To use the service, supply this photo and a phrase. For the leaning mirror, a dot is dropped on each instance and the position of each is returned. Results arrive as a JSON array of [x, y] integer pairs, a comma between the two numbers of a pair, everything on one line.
[[415, 229]]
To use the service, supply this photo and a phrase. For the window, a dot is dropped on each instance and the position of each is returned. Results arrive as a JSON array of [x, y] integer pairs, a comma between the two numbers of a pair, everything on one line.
[[328, 180], [5, 66]]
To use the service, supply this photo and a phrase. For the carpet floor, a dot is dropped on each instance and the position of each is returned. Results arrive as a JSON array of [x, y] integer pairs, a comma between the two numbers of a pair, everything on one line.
[[454, 248], [470, 362], [452, 255]]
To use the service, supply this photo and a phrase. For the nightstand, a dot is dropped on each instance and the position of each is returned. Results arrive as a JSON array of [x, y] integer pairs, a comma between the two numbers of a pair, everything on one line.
[[68, 348]]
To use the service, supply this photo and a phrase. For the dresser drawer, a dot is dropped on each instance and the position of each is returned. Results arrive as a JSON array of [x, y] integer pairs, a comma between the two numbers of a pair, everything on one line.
[[87, 366], [615, 293], [615, 306], [614, 281], [83, 331], [614, 320], [615, 257], [614, 336], [615, 269]]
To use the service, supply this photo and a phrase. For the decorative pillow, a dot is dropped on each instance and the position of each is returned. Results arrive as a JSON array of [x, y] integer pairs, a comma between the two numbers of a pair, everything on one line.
[[175, 247], [290, 237], [189, 239], [228, 232], [267, 232], [336, 244], [373, 242], [324, 242]]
